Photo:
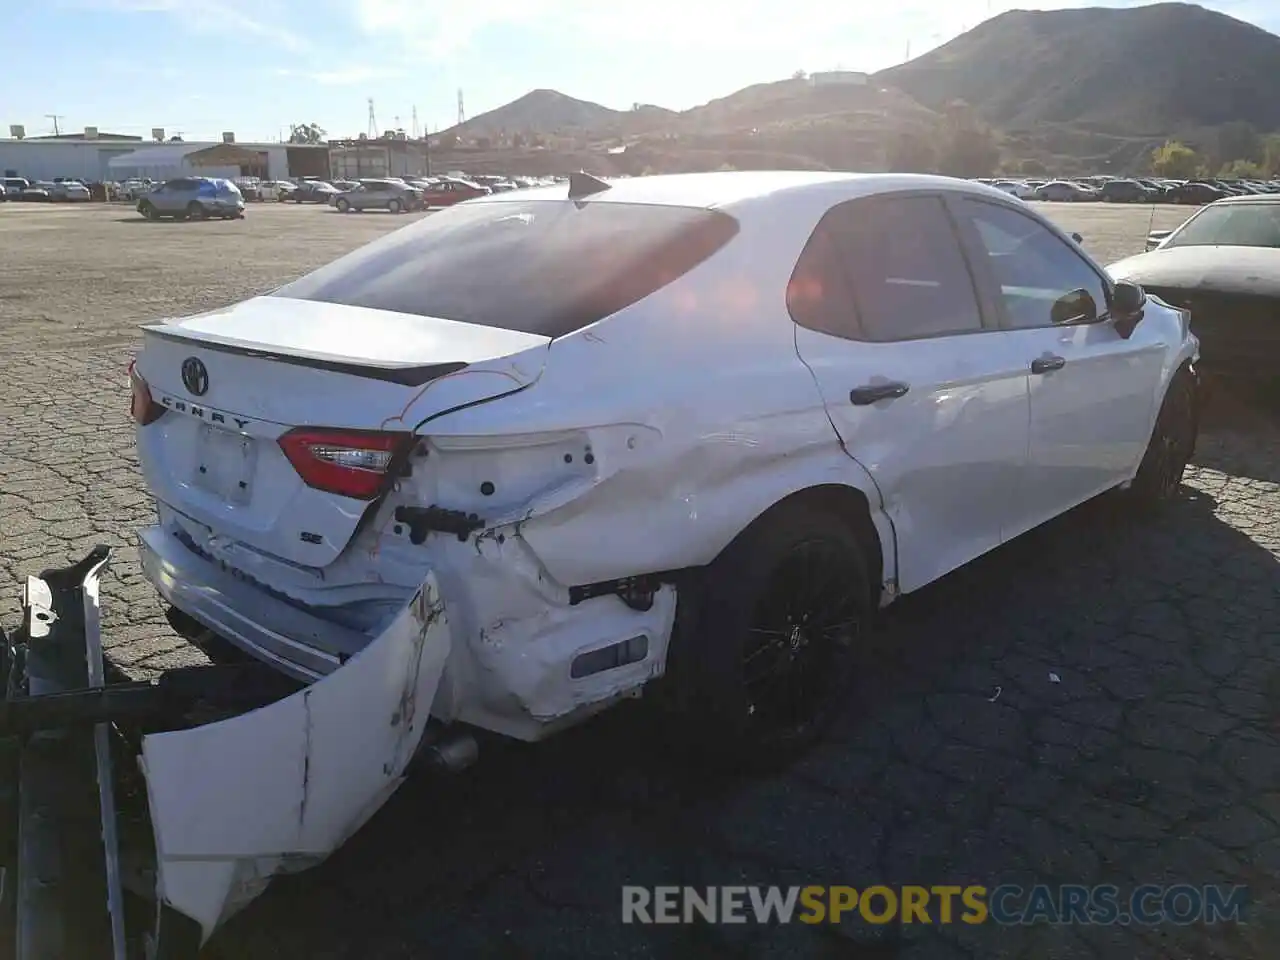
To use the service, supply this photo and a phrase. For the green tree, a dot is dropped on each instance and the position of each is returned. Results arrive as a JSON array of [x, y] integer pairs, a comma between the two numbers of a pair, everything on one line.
[[306, 133], [911, 152], [1242, 170], [1271, 155], [1175, 160]]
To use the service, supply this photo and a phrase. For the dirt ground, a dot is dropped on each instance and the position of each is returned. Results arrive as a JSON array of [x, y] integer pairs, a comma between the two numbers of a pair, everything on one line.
[[1155, 757]]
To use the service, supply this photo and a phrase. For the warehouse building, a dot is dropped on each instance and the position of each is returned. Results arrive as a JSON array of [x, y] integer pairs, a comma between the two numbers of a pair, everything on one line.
[[101, 158], [381, 157]]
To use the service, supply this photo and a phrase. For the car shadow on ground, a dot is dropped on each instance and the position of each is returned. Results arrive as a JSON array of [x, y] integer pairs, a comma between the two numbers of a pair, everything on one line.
[[1093, 703]]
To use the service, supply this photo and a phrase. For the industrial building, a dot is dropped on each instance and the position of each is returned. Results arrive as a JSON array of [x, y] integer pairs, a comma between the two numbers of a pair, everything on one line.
[[381, 157], [99, 158]]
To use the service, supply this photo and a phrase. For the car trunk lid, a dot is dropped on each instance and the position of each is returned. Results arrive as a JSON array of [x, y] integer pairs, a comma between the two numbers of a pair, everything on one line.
[[339, 384]]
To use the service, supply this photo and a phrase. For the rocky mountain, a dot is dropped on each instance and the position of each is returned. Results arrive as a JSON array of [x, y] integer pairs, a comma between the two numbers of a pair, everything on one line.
[[1153, 70]]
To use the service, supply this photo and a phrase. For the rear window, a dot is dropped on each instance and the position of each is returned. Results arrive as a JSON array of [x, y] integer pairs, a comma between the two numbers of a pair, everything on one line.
[[547, 267]]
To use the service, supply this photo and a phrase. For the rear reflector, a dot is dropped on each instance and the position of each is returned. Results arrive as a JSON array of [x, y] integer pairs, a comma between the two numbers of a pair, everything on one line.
[[351, 463], [142, 408]]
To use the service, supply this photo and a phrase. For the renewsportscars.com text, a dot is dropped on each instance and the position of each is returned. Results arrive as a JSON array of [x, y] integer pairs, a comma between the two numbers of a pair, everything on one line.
[[1148, 904]]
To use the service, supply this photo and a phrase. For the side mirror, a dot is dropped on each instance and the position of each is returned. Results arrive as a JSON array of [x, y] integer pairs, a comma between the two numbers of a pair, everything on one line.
[[1127, 303], [1078, 306], [1157, 237], [1077, 238]]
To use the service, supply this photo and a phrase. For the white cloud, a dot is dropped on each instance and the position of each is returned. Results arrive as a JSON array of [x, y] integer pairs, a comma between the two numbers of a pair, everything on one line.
[[236, 17]]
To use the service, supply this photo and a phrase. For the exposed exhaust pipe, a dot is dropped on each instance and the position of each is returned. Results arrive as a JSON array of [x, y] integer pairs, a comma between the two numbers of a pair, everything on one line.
[[447, 751]]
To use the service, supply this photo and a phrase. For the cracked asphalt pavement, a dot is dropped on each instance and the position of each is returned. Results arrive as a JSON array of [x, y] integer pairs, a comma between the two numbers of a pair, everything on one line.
[[1155, 758]]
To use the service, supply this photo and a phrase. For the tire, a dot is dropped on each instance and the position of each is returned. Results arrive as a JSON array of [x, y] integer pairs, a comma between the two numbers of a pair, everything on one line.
[[394, 206], [195, 211], [1172, 444], [148, 212], [343, 206], [750, 685]]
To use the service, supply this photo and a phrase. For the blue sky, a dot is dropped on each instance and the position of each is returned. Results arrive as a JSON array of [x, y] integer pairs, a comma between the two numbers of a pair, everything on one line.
[[255, 66]]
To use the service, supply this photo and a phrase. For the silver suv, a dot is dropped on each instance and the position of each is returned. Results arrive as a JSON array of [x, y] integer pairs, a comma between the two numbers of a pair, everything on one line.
[[193, 198]]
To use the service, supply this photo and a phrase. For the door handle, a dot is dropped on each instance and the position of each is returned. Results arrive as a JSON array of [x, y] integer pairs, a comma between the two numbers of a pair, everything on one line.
[[1045, 364], [870, 393]]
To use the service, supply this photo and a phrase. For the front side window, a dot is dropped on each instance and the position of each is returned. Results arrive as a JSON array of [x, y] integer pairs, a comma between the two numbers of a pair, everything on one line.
[[1033, 266], [565, 265]]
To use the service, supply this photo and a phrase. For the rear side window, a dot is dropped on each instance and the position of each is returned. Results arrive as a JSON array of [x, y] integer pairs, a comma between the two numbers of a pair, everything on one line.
[[547, 267], [907, 270]]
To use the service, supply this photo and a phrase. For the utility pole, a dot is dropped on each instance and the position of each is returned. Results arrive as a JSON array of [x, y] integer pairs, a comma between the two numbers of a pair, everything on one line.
[[55, 117], [415, 123], [373, 122]]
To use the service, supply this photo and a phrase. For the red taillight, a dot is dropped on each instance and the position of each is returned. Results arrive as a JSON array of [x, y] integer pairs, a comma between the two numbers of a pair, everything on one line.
[[352, 463], [142, 408]]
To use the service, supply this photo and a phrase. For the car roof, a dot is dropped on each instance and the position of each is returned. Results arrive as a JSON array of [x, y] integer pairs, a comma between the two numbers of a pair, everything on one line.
[[728, 188], [1248, 198]]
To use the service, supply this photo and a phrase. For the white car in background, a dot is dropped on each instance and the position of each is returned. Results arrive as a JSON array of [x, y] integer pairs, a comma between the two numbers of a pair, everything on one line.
[[697, 428], [1016, 188]]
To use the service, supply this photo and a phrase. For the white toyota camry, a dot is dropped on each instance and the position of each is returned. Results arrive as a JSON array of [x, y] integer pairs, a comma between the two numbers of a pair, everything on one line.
[[692, 427]]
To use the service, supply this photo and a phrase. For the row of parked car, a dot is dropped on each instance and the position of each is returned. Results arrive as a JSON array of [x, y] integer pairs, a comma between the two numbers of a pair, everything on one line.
[[403, 194], [1134, 190], [57, 190], [198, 198]]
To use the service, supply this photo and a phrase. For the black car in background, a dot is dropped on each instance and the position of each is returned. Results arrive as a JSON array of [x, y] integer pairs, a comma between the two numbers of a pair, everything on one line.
[[1128, 191], [1195, 193], [314, 191], [1222, 265]]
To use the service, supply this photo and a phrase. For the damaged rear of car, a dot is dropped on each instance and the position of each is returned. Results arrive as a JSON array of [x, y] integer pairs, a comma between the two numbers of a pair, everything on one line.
[[578, 425]]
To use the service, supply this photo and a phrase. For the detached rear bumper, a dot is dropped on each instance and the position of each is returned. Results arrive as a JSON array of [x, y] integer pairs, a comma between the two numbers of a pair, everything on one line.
[[297, 643], [231, 803]]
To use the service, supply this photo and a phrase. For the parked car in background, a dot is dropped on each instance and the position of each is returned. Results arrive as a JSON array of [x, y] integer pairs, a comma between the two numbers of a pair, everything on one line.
[[193, 198], [13, 187], [314, 191], [391, 195], [250, 188], [277, 190], [69, 191], [1195, 193], [1065, 191], [1016, 188], [41, 191], [445, 192], [1223, 265], [1126, 191]]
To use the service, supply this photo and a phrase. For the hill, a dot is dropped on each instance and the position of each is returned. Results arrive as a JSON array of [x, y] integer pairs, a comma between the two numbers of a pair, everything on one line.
[[540, 111], [1148, 71]]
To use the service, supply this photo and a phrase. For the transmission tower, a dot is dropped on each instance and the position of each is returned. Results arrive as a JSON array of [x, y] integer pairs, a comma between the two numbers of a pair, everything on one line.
[[462, 113], [415, 123], [373, 122], [55, 117]]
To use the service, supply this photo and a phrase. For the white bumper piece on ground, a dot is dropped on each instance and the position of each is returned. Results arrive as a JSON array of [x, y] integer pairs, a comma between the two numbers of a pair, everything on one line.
[[278, 789]]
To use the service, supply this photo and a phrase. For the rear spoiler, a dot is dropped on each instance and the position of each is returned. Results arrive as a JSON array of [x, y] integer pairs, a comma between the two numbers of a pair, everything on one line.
[[406, 374]]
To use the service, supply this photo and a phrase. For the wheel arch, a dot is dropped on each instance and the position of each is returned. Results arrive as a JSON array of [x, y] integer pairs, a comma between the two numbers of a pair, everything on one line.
[[850, 506]]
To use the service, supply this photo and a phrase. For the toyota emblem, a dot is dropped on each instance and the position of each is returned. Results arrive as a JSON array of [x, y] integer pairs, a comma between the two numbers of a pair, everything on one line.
[[195, 377]]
